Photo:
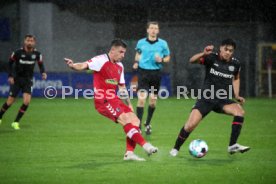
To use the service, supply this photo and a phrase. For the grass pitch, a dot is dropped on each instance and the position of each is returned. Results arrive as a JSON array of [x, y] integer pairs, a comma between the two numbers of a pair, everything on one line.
[[67, 141]]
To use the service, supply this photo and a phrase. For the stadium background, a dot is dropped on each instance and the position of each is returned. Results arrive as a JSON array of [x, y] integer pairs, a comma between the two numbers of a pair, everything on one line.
[[82, 29], [67, 141]]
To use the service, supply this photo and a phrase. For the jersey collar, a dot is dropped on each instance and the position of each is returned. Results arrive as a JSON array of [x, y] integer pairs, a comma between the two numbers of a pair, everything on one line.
[[152, 42]]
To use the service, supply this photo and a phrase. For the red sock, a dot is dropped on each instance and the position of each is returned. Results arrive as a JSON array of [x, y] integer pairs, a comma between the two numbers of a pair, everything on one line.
[[134, 134], [130, 144]]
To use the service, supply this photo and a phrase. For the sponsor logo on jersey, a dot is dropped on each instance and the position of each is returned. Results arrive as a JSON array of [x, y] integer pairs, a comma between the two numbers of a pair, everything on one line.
[[26, 62], [220, 74], [231, 68], [118, 109], [111, 81]]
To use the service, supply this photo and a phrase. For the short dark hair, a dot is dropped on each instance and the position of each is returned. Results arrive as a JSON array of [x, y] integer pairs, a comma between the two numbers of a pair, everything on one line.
[[228, 41], [152, 22], [29, 36], [118, 42]]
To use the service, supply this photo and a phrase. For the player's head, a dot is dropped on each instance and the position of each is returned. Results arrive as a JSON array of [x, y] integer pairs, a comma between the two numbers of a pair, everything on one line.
[[117, 50], [152, 28], [29, 41], [227, 48]]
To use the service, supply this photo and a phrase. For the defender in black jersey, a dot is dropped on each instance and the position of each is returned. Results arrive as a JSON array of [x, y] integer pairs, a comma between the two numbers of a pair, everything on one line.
[[222, 78], [20, 76]]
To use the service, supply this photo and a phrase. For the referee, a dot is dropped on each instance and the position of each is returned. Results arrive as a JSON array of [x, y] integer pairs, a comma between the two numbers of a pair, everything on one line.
[[20, 78], [151, 53]]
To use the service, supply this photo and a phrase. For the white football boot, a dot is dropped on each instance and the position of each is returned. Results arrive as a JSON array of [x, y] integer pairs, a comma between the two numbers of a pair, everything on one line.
[[237, 148], [129, 155], [150, 149], [174, 152]]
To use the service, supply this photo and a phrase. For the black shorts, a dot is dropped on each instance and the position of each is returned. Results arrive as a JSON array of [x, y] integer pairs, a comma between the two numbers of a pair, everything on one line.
[[148, 79], [21, 84], [205, 106]]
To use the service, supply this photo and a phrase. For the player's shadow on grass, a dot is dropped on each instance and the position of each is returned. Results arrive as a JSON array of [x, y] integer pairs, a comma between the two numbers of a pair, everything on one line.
[[210, 161], [6, 131], [101, 160]]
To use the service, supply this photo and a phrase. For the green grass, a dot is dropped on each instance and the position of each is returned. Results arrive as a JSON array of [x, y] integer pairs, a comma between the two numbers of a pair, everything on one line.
[[67, 141]]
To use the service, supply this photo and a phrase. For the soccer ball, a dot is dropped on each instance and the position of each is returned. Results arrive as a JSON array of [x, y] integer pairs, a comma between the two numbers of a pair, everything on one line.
[[198, 148]]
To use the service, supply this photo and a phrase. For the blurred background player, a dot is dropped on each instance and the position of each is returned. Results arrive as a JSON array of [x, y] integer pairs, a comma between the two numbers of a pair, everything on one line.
[[20, 78], [222, 73], [151, 53], [108, 75]]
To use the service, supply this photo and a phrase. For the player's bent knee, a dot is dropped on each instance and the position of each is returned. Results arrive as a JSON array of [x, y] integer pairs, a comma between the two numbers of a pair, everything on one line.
[[239, 111], [126, 118], [10, 100], [141, 102]]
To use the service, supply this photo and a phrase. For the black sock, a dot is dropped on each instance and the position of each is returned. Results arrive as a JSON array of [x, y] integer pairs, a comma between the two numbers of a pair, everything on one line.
[[140, 112], [236, 129], [183, 135], [150, 113], [21, 112], [4, 109]]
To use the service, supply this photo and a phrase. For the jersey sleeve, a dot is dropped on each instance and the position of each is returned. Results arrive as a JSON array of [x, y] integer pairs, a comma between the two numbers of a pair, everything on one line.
[[237, 68], [96, 63], [139, 47], [13, 57], [40, 62], [39, 58], [208, 60], [166, 50]]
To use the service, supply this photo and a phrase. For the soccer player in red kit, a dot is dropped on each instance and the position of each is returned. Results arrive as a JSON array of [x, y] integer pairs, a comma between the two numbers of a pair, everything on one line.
[[108, 75]]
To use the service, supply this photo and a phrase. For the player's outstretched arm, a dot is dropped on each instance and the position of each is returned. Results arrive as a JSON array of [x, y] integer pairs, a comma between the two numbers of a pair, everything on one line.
[[76, 66], [207, 50]]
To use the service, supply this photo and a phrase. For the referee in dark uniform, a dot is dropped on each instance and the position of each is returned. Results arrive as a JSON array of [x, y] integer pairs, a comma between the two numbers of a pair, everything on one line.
[[20, 77], [222, 78], [151, 53]]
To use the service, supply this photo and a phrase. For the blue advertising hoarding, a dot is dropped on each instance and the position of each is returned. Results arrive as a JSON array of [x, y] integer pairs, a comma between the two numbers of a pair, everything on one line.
[[78, 82]]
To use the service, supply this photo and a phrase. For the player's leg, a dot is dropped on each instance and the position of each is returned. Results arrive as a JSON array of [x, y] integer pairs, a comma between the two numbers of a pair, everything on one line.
[[193, 120], [154, 81], [26, 101], [130, 123], [200, 110], [142, 93], [14, 90], [142, 96], [237, 111], [6, 106], [130, 143]]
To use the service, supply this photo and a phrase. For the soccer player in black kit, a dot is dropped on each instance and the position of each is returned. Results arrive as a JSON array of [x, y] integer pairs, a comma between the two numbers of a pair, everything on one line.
[[20, 78], [222, 73]]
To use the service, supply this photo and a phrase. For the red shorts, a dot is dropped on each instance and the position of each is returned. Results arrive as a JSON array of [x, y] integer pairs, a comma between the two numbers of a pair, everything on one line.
[[111, 108]]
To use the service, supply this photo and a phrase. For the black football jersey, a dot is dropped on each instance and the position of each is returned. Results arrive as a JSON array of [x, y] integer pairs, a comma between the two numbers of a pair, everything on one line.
[[219, 73], [25, 63]]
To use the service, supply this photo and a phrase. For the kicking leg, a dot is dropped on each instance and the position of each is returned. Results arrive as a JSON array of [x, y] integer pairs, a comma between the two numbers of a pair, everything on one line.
[[130, 122]]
